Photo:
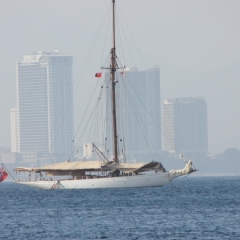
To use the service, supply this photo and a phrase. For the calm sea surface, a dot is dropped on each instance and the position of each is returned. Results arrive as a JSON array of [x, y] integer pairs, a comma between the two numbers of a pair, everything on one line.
[[191, 208]]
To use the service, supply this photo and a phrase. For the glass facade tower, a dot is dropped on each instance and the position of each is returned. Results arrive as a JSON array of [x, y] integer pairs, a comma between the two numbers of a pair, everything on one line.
[[45, 105], [185, 126], [139, 124]]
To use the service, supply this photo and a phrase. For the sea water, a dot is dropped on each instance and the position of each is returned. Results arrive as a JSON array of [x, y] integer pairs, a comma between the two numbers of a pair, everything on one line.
[[190, 208]]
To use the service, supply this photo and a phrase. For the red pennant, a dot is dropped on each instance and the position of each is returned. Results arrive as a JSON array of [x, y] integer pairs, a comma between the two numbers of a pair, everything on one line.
[[98, 75]]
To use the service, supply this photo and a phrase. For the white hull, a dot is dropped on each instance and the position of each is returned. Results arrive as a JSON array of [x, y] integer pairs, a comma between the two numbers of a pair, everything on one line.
[[147, 180]]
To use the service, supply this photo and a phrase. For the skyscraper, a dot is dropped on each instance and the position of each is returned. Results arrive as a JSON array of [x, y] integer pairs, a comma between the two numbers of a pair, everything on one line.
[[14, 124], [45, 105], [138, 100], [185, 126]]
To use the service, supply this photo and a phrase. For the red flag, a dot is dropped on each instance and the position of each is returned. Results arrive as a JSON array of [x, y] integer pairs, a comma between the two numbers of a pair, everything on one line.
[[98, 75], [3, 174]]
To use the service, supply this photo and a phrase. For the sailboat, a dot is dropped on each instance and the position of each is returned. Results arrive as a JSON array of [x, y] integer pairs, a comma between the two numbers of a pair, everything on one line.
[[107, 172]]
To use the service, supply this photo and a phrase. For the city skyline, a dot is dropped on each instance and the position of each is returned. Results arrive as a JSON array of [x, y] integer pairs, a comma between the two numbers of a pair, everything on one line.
[[45, 77], [196, 45]]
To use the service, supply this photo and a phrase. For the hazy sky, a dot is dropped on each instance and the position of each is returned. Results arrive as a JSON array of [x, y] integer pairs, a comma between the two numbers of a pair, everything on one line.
[[195, 43]]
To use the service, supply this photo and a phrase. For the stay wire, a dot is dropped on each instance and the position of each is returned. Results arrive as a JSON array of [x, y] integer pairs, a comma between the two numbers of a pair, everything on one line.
[[90, 100], [170, 141], [140, 122]]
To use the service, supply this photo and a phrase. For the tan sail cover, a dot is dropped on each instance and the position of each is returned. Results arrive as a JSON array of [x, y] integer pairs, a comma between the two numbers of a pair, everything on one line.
[[67, 168], [136, 167]]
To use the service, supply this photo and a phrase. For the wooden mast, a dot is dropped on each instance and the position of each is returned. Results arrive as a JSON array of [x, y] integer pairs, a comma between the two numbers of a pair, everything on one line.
[[113, 73]]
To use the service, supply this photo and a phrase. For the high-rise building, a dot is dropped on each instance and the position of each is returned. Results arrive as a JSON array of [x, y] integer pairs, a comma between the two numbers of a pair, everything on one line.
[[138, 101], [44, 105], [14, 124], [185, 126]]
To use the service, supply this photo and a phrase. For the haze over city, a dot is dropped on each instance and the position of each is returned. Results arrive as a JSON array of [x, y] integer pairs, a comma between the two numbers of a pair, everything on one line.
[[196, 45], [81, 119]]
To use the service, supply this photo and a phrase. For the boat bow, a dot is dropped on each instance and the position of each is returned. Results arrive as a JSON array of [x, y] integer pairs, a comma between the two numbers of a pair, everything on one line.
[[189, 168]]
